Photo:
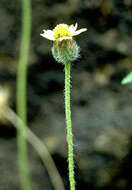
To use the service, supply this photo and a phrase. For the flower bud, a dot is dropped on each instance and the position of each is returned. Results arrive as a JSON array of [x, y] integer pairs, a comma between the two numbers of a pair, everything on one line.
[[65, 51]]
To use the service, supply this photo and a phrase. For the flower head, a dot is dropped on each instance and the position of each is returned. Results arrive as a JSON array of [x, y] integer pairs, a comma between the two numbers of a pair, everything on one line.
[[65, 48], [62, 32]]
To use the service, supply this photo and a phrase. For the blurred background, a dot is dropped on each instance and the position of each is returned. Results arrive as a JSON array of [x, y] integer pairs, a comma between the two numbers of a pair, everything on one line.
[[101, 106]]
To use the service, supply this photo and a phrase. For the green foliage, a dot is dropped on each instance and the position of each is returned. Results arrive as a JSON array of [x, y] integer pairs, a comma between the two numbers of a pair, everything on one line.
[[127, 79], [65, 51]]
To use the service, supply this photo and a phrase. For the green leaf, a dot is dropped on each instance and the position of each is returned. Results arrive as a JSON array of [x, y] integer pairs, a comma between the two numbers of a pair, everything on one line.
[[127, 79]]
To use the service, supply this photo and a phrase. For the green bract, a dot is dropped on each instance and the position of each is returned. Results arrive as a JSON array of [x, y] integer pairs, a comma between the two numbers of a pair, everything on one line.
[[65, 51]]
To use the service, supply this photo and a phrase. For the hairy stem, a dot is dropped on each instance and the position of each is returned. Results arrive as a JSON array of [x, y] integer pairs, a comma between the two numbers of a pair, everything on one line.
[[21, 94], [69, 126]]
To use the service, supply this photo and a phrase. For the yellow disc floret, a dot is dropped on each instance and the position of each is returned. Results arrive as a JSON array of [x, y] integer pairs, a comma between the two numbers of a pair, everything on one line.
[[61, 30]]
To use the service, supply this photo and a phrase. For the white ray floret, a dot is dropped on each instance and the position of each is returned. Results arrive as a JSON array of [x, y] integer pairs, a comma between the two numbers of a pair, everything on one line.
[[62, 32]]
